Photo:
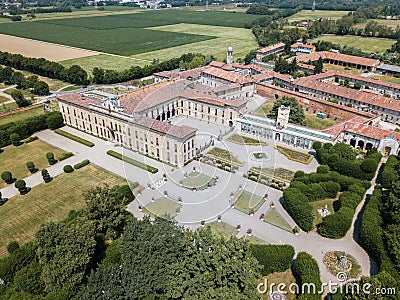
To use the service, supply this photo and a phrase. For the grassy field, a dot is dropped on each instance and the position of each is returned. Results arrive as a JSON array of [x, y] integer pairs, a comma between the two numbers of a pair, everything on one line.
[[305, 15], [3, 99], [198, 180], [7, 107], [223, 229], [313, 121], [286, 278], [390, 23], [386, 78], [14, 159], [241, 39], [22, 216], [104, 61], [365, 44], [163, 207], [22, 115], [343, 69], [247, 202]]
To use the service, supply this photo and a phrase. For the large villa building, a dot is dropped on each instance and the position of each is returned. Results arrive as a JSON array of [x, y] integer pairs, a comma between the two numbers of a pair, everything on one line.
[[218, 94]]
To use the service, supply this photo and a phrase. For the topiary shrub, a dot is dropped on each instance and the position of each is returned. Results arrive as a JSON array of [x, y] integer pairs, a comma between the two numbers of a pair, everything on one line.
[[7, 177], [50, 158], [317, 145], [68, 169], [31, 167], [12, 246], [46, 176], [15, 139], [21, 186]]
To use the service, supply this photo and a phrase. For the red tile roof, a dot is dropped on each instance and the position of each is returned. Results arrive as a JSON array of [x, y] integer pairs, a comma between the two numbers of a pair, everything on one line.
[[271, 47], [228, 76]]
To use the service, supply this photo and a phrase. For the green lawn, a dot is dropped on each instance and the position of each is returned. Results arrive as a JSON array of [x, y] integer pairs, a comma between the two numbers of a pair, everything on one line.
[[163, 207], [390, 23], [245, 140], [343, 69], [198, 180], [22, 115], [273, 217], [294, 155], [246, 202], [223, 229], [365, 44], [14, 158], [105, 62], [22, 216], [305, 14], [263, 110]]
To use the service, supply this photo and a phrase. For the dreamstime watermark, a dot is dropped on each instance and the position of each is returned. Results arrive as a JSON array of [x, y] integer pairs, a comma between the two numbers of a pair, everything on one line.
[[278, 291]]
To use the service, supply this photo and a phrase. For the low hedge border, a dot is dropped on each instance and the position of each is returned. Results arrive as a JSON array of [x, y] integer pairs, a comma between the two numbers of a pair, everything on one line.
[[282, 151], [65, 155], [74, 137], [31, 139], [132, 161], [81, 164]]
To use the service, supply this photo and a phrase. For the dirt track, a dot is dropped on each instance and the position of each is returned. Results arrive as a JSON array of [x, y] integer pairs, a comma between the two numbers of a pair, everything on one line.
[[39, 49]]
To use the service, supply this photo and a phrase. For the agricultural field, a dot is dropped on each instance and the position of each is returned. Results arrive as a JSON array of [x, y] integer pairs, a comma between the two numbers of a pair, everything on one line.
[[305, 15], [241, 39], [390, 23], [39, 49], [22, 216], [130, 34], [365, 44]]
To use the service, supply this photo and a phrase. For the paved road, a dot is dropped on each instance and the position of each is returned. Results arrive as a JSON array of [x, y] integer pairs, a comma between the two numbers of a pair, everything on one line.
[[216, 199]]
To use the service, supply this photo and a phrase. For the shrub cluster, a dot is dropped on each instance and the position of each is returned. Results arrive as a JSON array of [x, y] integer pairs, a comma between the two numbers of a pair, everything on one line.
[[81, 164], [25, 128], [306, 188], [389, 173], [342, 159], [273, 258]]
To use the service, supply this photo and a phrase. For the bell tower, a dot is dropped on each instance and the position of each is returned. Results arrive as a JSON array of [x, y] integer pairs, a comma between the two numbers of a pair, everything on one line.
[[282, 119], [229, 56]]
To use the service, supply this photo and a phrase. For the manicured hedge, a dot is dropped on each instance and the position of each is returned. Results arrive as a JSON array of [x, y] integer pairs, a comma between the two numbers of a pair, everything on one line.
[[74, 137], [81, 164], [132, 161], [273, 258], [296, 204], [31, 139], [65, 155], [25, 128], [307, 272], [336, 226]]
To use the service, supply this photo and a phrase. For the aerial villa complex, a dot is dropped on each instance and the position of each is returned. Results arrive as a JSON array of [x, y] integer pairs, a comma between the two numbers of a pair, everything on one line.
[[219, 93]]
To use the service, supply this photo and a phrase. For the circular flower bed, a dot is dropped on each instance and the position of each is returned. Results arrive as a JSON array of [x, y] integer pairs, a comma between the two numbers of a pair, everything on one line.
[[331, 261]]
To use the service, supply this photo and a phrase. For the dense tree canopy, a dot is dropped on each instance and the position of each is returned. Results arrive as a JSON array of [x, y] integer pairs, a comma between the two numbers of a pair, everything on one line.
[[296, 111]]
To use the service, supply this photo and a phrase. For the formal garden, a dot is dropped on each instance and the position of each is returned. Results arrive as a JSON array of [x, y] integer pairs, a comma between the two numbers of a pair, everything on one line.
[[294, 155], [246, 201], [340, 171], [224, 156], [197, 181], [164, 207], [342, 264], [245, 140]]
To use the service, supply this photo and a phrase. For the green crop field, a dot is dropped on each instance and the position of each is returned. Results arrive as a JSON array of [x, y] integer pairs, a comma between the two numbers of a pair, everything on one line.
[[366, 44], [126, 34], [304, 15]]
